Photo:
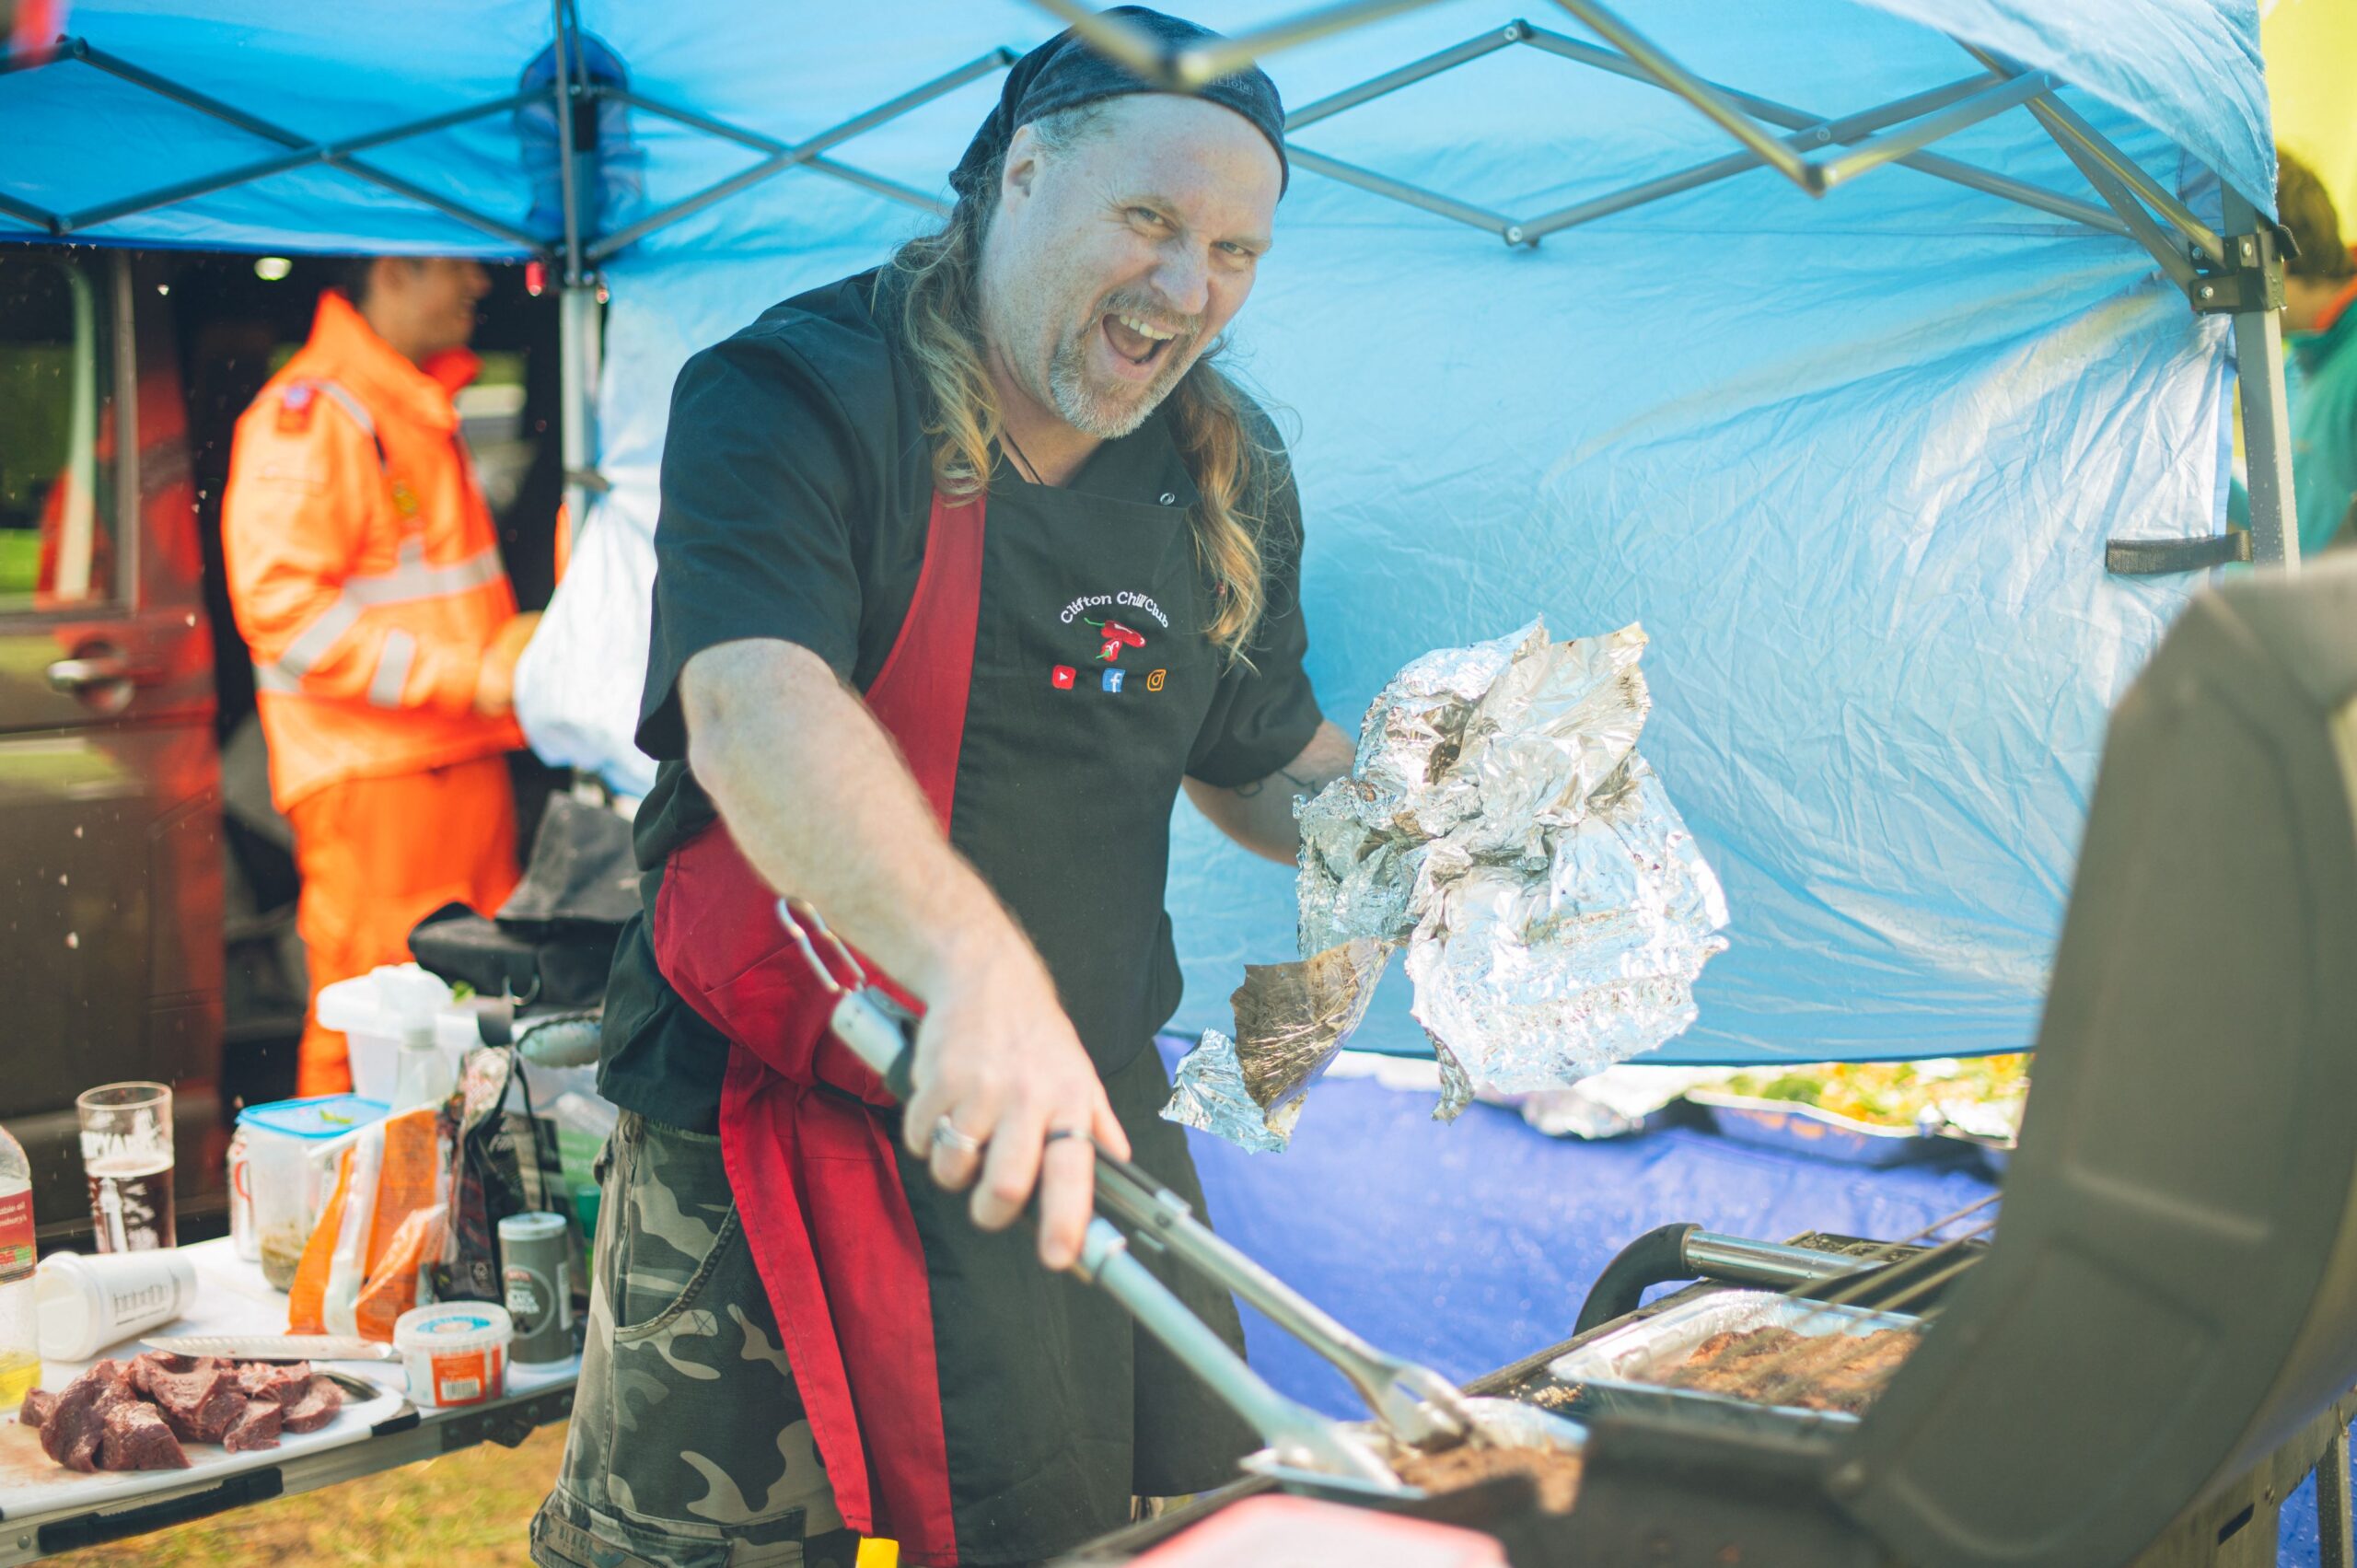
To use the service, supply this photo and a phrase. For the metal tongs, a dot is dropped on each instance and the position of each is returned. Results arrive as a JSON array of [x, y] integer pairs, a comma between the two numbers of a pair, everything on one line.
[[1414, 1405]]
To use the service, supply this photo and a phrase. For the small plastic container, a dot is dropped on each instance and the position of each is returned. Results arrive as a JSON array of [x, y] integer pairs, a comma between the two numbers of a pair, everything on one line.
[[377, 1012], [455, 1352], [287, 1171]]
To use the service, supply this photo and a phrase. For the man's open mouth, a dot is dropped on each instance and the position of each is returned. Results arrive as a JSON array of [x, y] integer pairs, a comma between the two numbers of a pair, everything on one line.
[[1133, 338]]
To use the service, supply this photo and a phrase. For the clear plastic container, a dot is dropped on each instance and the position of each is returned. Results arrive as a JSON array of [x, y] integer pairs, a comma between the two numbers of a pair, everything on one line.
[[285, 1167]]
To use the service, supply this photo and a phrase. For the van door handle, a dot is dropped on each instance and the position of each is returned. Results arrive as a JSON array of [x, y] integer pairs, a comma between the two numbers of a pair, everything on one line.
[[76, 676]]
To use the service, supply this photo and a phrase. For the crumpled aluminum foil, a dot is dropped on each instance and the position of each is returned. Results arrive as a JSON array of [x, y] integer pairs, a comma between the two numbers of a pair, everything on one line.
[[1352, 883], [1208, 1093], [1413, 734], [1292, 1020], [1499, 820], [1535, 980]]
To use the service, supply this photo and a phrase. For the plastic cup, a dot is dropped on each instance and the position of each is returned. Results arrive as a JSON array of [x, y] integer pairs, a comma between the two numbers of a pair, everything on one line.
[[83, 1304], [127, 1156]]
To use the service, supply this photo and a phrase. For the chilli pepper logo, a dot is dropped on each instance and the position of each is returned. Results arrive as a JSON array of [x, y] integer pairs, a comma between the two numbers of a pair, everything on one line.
[[1114, 637]]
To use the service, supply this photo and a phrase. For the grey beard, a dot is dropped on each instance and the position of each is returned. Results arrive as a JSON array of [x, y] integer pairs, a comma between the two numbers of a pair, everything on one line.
[[1096, 416]]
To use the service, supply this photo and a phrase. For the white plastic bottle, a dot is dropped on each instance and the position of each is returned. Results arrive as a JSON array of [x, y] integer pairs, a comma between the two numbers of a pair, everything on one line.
[[19, 1331]]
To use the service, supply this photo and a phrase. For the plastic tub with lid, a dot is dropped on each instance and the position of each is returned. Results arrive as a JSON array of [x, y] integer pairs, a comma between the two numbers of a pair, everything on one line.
[[455, 1352], [287, 1142]]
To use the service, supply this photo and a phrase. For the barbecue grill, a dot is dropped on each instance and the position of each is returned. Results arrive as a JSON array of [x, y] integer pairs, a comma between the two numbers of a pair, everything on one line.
[[2140, 1359]]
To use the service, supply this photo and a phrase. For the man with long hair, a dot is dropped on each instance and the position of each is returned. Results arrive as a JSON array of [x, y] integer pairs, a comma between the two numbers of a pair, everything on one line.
[[967, 567]]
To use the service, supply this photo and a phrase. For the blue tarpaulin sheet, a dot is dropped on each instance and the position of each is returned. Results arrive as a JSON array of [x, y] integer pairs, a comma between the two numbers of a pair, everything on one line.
[[1851, 461]]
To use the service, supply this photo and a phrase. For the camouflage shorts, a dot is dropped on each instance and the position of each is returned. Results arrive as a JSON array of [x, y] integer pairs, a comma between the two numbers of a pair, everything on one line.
[[688, 1443]]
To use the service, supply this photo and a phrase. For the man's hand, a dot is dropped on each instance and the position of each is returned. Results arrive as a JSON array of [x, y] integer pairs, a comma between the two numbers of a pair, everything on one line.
[[996, 1055], [495, 682], [816, 796], [1259, 815]]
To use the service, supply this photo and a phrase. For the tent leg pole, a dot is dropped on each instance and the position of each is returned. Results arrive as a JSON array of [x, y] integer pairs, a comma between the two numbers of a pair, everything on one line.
[[2333, 1549], [577, 302], [577, 356], [2266, 429]]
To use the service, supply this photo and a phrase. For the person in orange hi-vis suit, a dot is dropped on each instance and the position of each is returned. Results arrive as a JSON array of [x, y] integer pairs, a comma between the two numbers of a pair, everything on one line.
[[364, 573]]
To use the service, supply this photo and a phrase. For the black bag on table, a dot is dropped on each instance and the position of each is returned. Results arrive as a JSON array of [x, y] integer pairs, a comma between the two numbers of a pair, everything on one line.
[[504, 1161], [551, 943]]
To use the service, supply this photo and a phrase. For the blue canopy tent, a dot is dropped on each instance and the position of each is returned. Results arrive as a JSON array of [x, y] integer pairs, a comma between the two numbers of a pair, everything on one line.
[[1875, 355]]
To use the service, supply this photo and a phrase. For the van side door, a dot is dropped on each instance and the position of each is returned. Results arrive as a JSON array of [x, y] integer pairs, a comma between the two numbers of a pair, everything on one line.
[[110, 851]]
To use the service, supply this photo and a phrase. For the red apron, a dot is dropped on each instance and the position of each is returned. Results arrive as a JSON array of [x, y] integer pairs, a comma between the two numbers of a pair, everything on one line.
[[809, 1159]]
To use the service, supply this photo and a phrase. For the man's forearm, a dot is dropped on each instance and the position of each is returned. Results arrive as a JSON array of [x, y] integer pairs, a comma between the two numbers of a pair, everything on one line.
[[1259, 815], [820, 801]]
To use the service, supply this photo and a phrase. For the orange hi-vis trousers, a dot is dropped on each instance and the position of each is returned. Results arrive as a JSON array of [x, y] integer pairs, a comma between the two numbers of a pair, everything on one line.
[[378, 855]]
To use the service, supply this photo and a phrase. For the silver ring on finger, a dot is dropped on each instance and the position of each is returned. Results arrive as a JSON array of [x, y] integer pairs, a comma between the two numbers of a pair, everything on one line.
[[947, 1135]]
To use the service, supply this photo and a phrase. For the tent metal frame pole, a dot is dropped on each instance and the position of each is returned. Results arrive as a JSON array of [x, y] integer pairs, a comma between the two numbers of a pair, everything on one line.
[[567, 185], [1715, 105], [301, 151], [1189, 69], [1988, 183], [1415, 71], [1917, 134], [2173, 256], [1983, 94], [1847, 129], [2259, 391], [331, 153], [2020, 192], [39, 218], [577, 322], [908, 195], [2065, 126], [781, 156], [1412, 196], [2085, 143]]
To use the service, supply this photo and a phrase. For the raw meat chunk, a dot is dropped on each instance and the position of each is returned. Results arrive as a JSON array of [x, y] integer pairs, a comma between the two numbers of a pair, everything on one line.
[[258, 1428], [72, 1434], [136, 1438], [199, 1399], [270, 1379], [38, 1402], [315, 1408], [210, 1421]]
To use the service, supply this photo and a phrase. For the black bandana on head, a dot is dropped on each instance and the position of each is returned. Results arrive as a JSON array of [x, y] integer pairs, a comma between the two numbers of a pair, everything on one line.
[[1066, 71]]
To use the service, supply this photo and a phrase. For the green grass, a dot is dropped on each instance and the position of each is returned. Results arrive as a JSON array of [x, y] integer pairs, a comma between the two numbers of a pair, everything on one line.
[[20, 562], [471, 1509]]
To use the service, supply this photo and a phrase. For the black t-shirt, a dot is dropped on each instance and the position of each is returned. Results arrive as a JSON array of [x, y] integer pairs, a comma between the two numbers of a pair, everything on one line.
[[797, 493]]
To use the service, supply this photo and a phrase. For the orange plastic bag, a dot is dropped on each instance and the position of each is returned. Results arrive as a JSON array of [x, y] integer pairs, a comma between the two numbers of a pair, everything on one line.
[[306, 1296], [392, 1287], [390, 1174]]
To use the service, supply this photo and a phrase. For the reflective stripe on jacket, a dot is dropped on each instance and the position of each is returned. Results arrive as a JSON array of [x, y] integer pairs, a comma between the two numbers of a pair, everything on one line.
[[363, 566]]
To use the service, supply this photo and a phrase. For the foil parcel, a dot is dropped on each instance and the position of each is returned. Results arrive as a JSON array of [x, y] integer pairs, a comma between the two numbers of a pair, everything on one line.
[[1499, 824]]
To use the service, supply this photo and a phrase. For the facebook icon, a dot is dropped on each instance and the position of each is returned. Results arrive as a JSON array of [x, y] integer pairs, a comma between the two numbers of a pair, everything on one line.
[[1113, 680]]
